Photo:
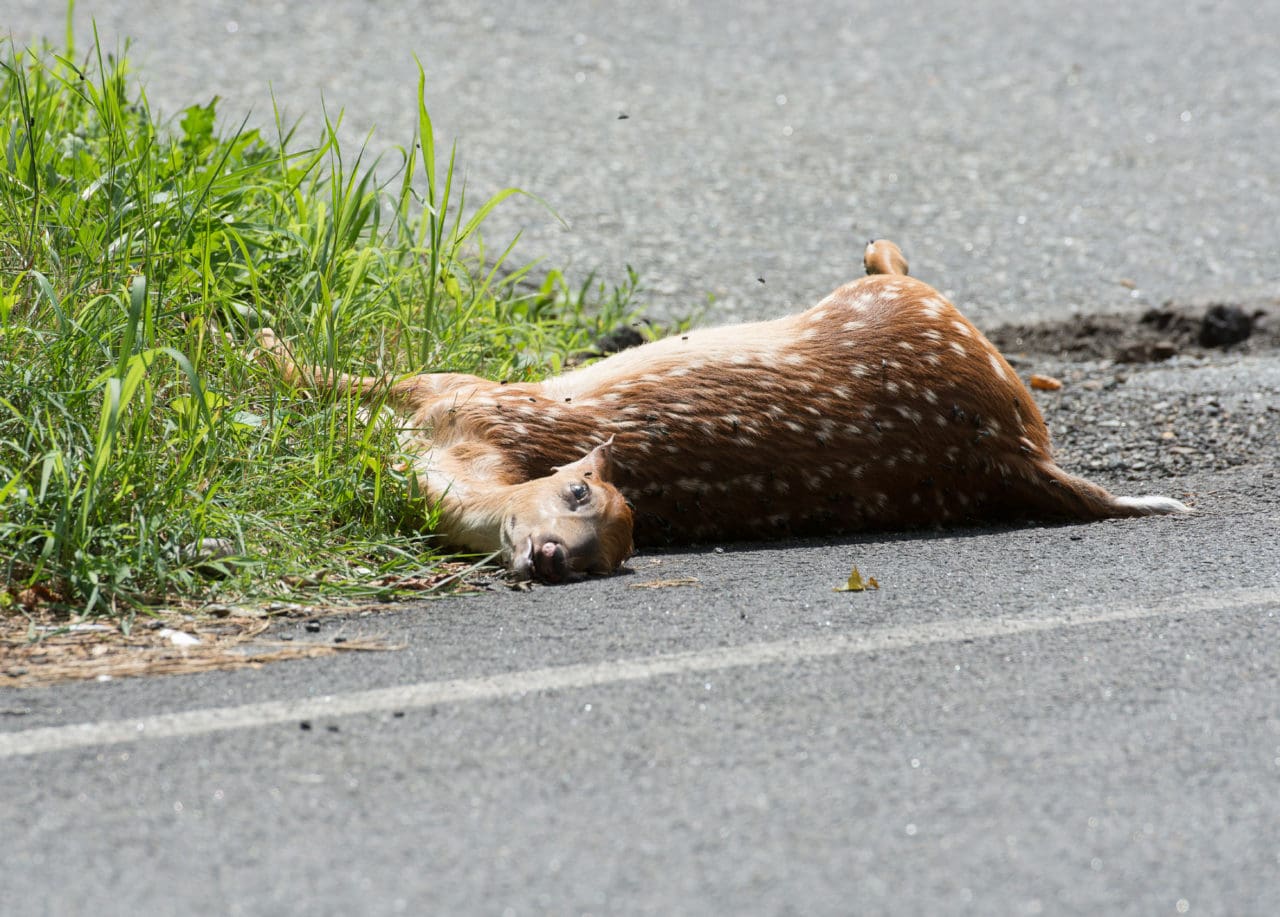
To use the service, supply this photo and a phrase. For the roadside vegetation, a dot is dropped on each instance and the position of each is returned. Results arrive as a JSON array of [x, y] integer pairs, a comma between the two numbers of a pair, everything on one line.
[[145, 457]]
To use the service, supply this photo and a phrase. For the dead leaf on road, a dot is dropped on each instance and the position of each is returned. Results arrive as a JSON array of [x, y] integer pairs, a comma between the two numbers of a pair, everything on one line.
[[857, 584]]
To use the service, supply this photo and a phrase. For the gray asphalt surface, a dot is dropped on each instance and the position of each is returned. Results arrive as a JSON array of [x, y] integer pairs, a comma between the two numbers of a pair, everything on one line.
[[1026, 156], [1077, 719]]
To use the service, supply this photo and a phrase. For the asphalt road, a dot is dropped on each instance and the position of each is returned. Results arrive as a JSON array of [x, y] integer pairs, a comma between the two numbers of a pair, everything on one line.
[[1077, 719], [1027, 157]]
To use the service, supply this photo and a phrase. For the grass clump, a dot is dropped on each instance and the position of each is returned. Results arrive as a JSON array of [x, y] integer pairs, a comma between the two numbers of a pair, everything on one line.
[[136, 261]]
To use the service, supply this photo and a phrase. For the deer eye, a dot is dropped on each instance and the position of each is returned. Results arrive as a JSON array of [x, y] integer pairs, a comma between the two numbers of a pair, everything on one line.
[[579, 491]]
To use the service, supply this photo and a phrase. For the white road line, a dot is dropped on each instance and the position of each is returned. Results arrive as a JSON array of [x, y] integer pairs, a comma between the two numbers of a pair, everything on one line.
[[783, 652]]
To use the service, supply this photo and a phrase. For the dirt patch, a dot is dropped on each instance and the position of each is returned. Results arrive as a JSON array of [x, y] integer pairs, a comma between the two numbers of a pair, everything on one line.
[[1107, 424], [1154, 336]]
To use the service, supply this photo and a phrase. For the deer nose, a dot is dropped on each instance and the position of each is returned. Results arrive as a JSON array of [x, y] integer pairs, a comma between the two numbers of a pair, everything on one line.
[[550, 560]]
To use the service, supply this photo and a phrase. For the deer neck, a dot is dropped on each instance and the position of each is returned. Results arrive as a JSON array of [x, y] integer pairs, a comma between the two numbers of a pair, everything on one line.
[[471, 511]]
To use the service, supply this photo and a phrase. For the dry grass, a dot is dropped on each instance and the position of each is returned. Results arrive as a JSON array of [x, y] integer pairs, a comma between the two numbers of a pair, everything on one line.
[[44, 649]]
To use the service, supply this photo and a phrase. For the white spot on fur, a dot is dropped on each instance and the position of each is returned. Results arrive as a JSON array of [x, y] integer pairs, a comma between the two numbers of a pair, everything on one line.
[[961, 328], [795, 359], [959, 348], [794, 427], [995, 365], [906, 345]]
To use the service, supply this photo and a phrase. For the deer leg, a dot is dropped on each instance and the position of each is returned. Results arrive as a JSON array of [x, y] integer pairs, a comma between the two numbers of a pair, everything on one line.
[[883, 257], [402, 395]]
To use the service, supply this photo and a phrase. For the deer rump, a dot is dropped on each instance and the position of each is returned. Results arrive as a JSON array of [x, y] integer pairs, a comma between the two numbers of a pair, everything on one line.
[[881, 407]]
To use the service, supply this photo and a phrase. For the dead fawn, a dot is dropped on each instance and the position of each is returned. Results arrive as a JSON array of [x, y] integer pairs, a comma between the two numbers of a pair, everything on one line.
[[881, 407]]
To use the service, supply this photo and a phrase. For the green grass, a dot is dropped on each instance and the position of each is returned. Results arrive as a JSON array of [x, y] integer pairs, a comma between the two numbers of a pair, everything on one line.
[[136, 261]]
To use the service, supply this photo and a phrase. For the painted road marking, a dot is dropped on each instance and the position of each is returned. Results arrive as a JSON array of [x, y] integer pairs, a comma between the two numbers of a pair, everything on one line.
[[490, 687]]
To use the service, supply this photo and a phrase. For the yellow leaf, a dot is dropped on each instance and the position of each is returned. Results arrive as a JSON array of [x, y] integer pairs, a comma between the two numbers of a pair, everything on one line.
[[857, 583]]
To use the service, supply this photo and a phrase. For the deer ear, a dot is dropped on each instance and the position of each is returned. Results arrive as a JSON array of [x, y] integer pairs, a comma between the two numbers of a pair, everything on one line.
[[596, 464]]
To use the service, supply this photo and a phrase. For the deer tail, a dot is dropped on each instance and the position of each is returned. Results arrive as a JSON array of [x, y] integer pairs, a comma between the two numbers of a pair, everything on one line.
[[1074, 497]]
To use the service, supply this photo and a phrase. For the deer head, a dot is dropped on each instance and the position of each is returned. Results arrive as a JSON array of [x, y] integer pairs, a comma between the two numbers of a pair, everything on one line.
[[569, 524]]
